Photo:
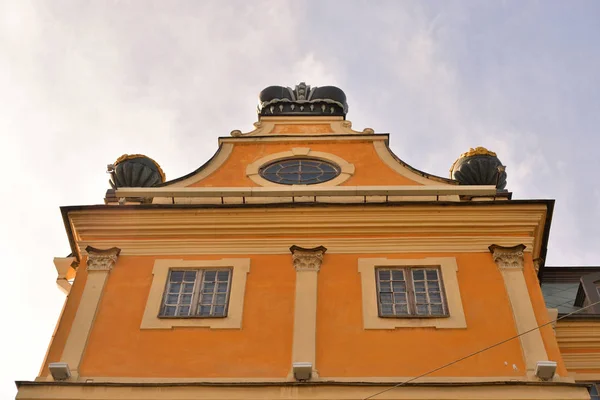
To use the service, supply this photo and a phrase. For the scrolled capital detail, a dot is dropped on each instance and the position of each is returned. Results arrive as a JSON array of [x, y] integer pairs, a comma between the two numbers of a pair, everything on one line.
[[101, 260], [508, 257], [307, 259]]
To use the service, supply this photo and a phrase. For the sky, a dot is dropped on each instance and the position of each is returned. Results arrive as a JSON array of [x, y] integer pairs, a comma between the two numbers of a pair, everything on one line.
[[83, 82]]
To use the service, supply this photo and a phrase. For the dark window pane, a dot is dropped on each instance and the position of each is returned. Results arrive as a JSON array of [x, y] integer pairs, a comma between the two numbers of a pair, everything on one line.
[[223, 276], [419, 286], [435, 297], [385, 287], [204, 311], [385, 297], [176, 276], [208, 287], [189, 276], [172, 299], [422, 309], [206, 299], [219, 311], [209, 276], [399, 287], [169, 311], [421, 298], [401, 309], [400, 298], [384, 275], [183, 311], [418, 275], [397, 275], [220, 299], [174, 287], [436, 309], [186, 299], [222, 287], [386, 309], [433, 286], [432, 275]]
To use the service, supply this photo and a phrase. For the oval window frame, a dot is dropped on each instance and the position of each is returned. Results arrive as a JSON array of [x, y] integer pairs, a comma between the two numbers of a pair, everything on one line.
[[331, 168]]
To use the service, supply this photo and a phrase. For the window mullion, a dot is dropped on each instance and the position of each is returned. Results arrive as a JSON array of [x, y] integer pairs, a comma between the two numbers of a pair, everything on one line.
[[410, 291], [196, 294]]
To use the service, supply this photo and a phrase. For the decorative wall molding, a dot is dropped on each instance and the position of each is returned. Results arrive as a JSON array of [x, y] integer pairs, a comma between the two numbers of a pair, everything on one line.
[[307, 259], [101, 260], [508, 257]]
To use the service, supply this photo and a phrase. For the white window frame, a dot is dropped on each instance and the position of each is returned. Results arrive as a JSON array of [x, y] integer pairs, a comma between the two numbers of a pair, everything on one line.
[[448, 268], [240, 267]]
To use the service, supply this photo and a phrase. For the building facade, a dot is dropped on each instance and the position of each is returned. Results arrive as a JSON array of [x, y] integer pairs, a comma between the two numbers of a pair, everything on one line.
[[305, 260]]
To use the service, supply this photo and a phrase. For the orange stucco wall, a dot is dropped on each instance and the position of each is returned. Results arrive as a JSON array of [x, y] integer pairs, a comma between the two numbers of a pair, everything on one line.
[[117, 346], [370, 170], [68, 315]]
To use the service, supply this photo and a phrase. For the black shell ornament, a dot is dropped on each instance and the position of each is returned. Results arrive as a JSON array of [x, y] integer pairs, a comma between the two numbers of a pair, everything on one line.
[[479, 166], [136, 170]]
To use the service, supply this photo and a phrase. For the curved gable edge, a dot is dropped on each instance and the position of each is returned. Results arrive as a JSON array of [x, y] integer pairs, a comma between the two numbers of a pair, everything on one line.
[[391, 160], [206, 169]]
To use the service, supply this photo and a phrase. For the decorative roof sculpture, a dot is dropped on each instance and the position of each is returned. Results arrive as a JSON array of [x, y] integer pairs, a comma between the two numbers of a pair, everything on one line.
[[479, 166], [135, 170], [302, 100]]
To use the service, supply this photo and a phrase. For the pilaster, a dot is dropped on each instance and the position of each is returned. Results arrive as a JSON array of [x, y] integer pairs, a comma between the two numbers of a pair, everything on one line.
[[99, 265], [307, 263], [510, 262]]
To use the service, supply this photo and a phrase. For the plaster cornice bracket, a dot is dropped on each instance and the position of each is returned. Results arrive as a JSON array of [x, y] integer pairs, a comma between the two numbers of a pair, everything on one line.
[[508, 257], [307, 259], [101, 260]]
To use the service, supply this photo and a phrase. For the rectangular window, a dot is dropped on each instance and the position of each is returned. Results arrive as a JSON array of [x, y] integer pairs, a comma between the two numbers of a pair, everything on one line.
[[200, 293], [410, 292]]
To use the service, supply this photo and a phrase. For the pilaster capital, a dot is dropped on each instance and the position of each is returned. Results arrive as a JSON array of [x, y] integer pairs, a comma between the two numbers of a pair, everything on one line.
[[101, 260], [508, 257], [307, 259]]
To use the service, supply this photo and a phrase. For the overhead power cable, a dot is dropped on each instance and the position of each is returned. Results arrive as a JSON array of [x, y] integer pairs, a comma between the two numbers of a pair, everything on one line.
[[478, 352]]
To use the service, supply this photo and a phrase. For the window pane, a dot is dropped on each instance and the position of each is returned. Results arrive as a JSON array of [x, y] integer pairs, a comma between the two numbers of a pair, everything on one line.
[[400, 298], [206, 299], [221, 299], [435, 297], [204, 311], [421, 298], [222, 287], [398, 275], [174, 287], [401, 309], [385, 287], [385, 297], [386, 309], [437, 309], [183, 311], [186, 299], [188, 287], [219, 311], [189, 276], [418, 275], [419, 286], [434, 286], [176, 276], [432, 275], [223, 276], [384, 275], [172, 299], [169, 311], [208, 287], [209, 276], [422, 309], [399, 287]]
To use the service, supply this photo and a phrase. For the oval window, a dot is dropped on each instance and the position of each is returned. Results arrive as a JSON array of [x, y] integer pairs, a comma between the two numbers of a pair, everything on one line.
[[299, 171]]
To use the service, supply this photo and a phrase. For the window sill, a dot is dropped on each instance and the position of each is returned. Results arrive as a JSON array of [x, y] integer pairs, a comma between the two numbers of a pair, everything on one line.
[[371, 318], [160, 272]]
